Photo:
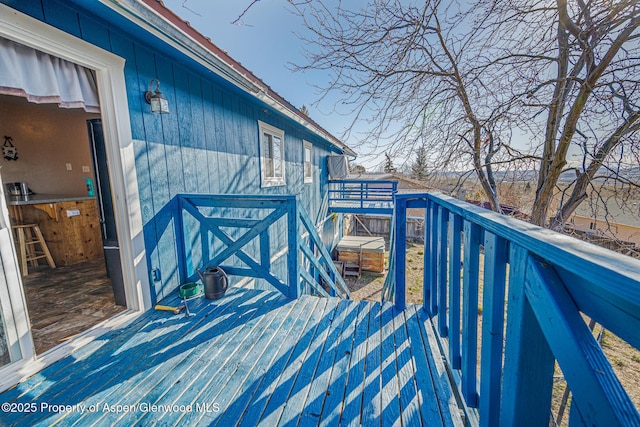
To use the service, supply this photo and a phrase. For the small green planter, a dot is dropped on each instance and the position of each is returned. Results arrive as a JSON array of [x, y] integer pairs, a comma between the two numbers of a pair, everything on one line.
[[189, 290]]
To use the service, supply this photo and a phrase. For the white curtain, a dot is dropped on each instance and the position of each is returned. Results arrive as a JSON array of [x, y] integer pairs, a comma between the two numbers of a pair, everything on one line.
[[42, 78]]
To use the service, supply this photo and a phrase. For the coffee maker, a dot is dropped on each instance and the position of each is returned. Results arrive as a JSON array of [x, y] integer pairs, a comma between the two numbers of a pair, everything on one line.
[[18, 189]]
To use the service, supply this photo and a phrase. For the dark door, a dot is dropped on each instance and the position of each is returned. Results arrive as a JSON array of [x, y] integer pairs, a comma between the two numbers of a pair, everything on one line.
[[105, 209]]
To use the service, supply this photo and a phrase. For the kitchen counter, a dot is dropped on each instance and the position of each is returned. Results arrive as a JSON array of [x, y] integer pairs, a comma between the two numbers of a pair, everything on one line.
[[70, 225], [36, 199]]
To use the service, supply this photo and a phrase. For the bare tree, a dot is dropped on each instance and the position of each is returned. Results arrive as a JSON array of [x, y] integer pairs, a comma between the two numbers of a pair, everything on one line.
[[468, 79]]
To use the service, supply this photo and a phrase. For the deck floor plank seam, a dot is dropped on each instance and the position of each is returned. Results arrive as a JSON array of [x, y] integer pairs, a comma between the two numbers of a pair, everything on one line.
[[137, 386], [390, 386], [260, 359], [294, 406], [251, 399], [429, 408], [189, 392], [291, 385], [321, 382], [235, 370], [93, 374], [31, 386], [273, 396], [337, 387], [408, 393], [355, 377], [183, 368], [449, 409], [372, 395], [253, 363]]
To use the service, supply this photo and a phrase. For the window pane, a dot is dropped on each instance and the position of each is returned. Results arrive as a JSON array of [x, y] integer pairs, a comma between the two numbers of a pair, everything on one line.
[[277, 157], [267, 155], [307, 155]]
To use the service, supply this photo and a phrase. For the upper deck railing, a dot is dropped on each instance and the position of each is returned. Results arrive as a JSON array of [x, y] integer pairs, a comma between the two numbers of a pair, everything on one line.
[[362, 196], [530, 289]]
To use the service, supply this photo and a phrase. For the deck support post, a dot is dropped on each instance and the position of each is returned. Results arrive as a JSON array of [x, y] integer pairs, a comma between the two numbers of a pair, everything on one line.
[[401, 253], [528, 369], [294, 248]]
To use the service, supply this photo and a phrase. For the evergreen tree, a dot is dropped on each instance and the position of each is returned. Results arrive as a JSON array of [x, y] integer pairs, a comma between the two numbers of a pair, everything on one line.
[[419, 165], [388, 165]]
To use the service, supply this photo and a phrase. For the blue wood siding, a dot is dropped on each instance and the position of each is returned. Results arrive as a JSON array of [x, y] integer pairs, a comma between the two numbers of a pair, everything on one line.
[[208, 143]]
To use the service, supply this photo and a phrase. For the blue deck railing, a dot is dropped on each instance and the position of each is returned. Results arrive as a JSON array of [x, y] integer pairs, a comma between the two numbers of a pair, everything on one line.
[[252, 236], [542, 284], [362, 196]]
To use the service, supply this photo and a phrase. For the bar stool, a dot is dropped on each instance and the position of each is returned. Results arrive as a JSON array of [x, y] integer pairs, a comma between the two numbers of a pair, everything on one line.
[[28, 236]]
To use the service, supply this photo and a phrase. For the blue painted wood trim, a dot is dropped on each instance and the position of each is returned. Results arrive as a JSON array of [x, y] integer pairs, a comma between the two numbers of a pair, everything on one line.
[[180, 233], [433, 259], [529, 371], [442, 285], [294, 242], [493, 312], [339, 284], [400, 254], [470, 276], [597, 392], [426, 264], [455, 231]]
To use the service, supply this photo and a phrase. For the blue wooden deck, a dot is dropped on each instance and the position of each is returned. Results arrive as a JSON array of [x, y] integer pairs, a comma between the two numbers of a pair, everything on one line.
[[251, 358], [358, 196]]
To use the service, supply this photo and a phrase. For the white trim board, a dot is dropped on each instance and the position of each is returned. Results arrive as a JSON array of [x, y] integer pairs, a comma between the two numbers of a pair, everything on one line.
[[109, 69]]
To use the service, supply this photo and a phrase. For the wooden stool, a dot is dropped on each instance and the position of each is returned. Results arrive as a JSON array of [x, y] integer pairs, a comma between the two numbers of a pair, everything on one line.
[[28, 236]]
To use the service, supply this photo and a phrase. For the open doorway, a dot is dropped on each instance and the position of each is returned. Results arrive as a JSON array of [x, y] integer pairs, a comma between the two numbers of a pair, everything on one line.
[[109, 70], [57, 159]]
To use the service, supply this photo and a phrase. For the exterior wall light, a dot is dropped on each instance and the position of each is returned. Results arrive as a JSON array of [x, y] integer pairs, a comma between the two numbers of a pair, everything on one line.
[[159, 103]]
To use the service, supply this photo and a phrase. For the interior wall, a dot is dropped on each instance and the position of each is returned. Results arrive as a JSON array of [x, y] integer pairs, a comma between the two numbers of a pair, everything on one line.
[[47, 138]]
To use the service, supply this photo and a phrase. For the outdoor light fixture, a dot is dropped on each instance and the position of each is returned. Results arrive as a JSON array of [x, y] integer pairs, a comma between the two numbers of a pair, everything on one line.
[[159, 103]]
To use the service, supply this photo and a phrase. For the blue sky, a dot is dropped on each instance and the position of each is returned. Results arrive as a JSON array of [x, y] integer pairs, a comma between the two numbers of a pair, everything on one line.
[[265, 43]]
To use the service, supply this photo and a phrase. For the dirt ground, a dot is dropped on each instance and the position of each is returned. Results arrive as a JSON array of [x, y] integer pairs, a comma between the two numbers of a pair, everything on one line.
[[624, 358]]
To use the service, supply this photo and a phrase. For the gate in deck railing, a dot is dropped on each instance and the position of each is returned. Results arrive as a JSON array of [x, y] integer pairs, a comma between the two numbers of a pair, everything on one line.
[[255, 236], [482, 267], [362, 196]]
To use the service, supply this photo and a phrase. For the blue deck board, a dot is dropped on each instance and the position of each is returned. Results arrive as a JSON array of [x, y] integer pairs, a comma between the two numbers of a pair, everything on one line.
[[295, 405], [355, 378], [429, 408], [256, 358], [261, 388], [282, 372], [150, 387], [336, 341], [409, 394], [390, 385], [371, 409], [216, 365], [336, 390]]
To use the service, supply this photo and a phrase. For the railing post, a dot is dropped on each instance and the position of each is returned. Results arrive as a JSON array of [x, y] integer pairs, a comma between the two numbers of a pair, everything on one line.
[[180, 240], [401, 252], [455, 230], [443, 220], [528, 369], [471, 268], [294, 248], [495, 267]]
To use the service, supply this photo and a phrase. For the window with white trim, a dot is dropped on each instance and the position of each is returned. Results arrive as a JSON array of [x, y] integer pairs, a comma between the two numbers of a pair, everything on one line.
[[271, 155], [308, 165]]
